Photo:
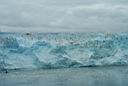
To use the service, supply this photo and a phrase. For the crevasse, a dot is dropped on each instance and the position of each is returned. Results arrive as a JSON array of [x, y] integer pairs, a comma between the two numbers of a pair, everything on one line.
[[62, 50]]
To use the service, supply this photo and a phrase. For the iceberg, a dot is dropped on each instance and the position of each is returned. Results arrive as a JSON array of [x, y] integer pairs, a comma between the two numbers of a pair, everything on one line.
[[62, 50]]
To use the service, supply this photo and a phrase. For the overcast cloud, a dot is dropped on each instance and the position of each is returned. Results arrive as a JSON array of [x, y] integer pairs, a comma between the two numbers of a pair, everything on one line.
[[64, 15]]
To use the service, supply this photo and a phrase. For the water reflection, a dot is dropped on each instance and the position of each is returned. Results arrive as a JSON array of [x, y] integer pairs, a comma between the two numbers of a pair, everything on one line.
[[96, 76]]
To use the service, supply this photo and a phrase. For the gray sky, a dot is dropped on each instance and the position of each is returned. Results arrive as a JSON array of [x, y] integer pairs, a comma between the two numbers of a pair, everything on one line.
[[64, 15]]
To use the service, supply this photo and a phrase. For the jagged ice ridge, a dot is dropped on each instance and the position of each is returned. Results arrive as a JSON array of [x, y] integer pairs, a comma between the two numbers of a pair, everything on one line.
[[62, 50]]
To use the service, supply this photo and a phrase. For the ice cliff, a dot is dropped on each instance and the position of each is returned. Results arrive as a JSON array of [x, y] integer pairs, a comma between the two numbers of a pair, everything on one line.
[[60, 50]]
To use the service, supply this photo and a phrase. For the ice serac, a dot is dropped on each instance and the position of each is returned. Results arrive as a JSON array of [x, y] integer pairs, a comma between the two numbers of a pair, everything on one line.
[[62, 50]]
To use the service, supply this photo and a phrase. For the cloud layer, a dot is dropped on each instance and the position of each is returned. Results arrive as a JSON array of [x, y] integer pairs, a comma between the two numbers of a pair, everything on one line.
[[64, 15]]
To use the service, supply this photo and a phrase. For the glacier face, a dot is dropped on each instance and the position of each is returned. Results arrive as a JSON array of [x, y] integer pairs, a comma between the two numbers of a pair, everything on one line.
[[62, 50]]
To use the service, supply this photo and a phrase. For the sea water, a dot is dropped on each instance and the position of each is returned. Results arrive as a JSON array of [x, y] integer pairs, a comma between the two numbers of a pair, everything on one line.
[[89, 76]]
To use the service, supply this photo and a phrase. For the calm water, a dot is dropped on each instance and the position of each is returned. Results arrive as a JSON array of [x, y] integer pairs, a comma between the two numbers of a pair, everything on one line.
[[94, 76]]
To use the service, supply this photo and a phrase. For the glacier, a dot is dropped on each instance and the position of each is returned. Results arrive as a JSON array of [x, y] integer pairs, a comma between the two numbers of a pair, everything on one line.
[[62, 50]]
